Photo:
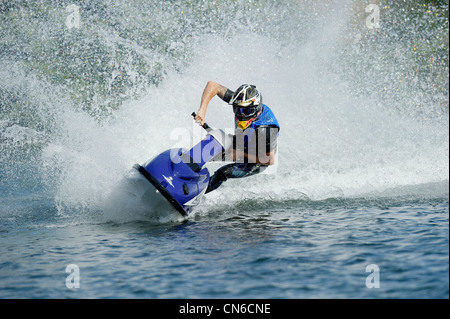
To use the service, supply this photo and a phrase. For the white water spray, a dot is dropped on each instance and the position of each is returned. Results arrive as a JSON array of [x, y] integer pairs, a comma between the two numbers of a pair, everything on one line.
[[333, 142]]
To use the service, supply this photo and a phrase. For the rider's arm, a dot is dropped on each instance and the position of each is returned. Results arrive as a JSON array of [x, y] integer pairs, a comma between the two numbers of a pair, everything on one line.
[[265, 140], [212, 89], [266, 159]]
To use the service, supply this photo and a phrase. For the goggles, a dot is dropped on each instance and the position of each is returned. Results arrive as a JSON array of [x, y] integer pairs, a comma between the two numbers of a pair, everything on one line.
[[245, 112]]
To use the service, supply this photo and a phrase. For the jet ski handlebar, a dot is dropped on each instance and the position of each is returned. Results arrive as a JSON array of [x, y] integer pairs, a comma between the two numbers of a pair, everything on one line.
[[205, 126]]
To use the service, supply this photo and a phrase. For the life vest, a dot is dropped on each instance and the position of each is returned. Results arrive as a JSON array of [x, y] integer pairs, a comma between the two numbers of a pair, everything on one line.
[[247, 138], [266, 118]]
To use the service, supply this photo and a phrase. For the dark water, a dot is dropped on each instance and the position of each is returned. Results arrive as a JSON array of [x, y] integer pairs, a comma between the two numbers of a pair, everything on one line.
[[288, 249], [360, 193]]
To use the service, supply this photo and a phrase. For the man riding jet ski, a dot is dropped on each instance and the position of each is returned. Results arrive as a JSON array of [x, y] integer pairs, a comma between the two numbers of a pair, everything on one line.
[[256, 132]]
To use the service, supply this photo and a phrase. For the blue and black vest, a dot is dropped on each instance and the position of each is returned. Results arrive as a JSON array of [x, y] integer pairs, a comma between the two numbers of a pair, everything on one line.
[[265, 126]]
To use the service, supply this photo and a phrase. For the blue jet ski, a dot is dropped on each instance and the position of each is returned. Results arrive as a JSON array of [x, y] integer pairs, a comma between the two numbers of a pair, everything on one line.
[[178, 176]]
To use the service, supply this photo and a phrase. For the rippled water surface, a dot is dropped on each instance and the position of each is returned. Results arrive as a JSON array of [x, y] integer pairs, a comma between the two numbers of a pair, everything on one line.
[[293, 249]]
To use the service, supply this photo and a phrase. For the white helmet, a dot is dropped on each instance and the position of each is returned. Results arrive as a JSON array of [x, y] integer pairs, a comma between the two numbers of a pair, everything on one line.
[[247, 102]]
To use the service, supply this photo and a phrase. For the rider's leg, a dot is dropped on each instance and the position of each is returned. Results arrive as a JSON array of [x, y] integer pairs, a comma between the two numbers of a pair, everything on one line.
[[234, 170]]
